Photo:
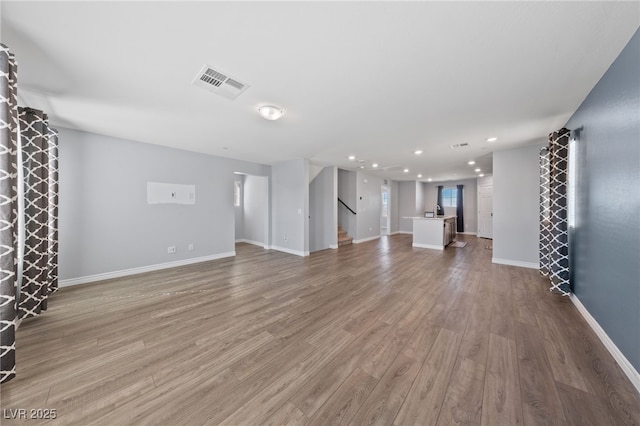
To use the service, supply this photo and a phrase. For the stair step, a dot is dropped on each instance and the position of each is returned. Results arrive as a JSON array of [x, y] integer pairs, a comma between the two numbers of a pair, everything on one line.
[[343, 237]]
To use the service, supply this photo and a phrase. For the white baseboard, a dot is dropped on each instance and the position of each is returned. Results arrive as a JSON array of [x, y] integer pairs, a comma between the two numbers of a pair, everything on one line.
[[364, 240], [406, 232], [140, 270], [519, 263], [333, 246], [394, 233], [290, 251], [427, 246], [622, 361], [467, 233], [255, 243]]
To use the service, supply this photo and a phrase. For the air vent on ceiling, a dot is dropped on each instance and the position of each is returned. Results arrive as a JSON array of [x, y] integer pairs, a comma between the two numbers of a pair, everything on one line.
[[459, 145], [219, 83]]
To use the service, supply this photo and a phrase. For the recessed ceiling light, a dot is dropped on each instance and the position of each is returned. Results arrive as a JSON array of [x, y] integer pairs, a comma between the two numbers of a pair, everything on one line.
[[374, 165], [476, 170], [481, 175], [361, 167], [429, 179], [270, 112], [419, 176], [352, 157], [471, 163], [406, 170], [417, 152], [492, 139]]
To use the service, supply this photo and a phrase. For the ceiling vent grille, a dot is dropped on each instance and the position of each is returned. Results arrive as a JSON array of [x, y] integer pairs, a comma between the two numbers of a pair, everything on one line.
[[219, 83], [459, 145]]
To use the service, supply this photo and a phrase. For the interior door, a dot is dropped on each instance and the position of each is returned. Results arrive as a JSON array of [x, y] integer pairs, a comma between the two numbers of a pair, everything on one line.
[[485, 212]]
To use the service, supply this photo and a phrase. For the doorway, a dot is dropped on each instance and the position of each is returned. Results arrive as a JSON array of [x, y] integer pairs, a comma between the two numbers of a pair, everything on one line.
[[251, 201], [385, 218], [485, 212]]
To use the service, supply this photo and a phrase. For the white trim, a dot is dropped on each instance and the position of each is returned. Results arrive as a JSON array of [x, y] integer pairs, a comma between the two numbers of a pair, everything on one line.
[[333, 246], [394, 233], [141, 269], [515, 263], [364, 240], [427, 246], [622, 361], [290, 251], [405, 232], [241, 240], [467, 233], [255, 243]]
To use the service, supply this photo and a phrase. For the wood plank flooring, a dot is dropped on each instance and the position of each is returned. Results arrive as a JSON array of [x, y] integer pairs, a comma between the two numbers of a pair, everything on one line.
[[373, 333]]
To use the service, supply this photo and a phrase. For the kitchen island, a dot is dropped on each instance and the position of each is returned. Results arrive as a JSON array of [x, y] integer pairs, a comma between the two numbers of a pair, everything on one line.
[[433, 232]]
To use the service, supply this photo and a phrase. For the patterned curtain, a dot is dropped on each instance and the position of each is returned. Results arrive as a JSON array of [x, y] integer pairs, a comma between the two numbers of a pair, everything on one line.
[[39, 161], [554, 236], [52, 243], [8, 211]]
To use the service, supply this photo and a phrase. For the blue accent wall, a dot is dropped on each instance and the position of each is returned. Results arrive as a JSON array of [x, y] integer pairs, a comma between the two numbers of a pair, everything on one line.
[[606, 241]]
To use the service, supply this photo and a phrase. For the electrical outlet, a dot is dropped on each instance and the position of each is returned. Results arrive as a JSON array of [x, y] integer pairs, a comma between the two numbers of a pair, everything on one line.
[[284, 237], [190, 247], [171, 249]]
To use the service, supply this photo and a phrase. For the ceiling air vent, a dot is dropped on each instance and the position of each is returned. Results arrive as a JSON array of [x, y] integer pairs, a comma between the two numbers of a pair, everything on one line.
[[459, 145], [219, 83]]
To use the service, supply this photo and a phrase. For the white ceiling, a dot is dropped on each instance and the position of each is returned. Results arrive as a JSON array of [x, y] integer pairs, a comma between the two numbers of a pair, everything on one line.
[[374, 79]]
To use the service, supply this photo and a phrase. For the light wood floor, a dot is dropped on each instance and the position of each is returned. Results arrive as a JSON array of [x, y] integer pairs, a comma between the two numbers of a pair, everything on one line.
[[370, 333]]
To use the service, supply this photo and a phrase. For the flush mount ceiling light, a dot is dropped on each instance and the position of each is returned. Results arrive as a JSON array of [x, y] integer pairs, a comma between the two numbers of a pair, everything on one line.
[[471, 163], [270, 112], [492, 139], [419, 176], [352, 157], [374, 165], [477, 170], [481, 175], [417, 152], [406, 170]]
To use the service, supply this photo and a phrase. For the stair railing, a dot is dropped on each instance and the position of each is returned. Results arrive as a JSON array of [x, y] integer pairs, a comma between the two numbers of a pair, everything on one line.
[[348, 208]]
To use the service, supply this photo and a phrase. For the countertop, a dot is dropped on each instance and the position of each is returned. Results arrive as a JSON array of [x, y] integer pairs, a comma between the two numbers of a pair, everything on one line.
[[431, 218]]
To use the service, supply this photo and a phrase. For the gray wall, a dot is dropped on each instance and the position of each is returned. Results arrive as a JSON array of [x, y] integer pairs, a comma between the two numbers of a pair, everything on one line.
[[420, 200], [516, 183], [606, 241], [256, 208], [406, 205], [105, 223], [470, 198], [290, 204], [347, 192], [369, 193], [322, 210]]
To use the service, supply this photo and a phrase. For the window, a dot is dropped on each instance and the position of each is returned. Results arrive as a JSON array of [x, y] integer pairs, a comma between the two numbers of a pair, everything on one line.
[[236, 193], [450, 197]]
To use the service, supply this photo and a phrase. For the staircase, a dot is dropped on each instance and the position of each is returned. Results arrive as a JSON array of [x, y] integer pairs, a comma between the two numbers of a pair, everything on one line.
[[343, 238]]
